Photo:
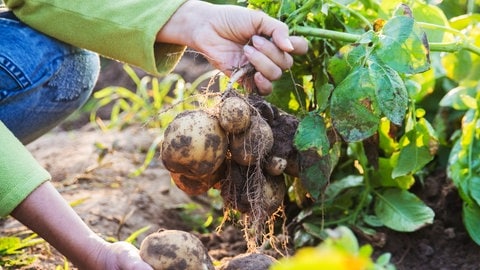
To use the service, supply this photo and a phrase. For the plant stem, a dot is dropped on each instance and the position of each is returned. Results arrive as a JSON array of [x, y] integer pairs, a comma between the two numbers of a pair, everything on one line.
[[324, 33], [347, 37], [355, 13]]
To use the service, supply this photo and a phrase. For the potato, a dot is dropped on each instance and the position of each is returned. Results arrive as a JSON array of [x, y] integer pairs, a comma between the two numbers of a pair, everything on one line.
[[275, 165], [174, 249], [194, 144], [274, 192], [248, 147], [195, 185], [249, 261], [234, 115]]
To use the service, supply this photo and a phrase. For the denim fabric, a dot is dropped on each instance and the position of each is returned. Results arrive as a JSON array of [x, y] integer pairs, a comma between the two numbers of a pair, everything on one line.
[[42, 80]]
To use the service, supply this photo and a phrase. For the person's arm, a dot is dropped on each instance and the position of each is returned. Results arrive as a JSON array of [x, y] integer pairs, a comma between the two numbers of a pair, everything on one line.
[[27, 195], [232, 36], [124, 30], [152, 34], [46, 212]]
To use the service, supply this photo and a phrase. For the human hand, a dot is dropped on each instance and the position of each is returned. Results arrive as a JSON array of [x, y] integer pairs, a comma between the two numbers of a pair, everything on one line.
[[231, 36], [122, 256]]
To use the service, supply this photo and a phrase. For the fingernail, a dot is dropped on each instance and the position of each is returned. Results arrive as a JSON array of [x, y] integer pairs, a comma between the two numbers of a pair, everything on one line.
[[289, 44], [258, 41], [248, 49]]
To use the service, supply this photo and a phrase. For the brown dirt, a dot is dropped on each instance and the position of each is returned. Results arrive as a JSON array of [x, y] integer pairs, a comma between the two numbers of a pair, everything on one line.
[[116, 205]]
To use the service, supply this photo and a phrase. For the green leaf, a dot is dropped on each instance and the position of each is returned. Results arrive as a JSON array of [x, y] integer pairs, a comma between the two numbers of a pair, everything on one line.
[[311, 133], [454, 97], [348, 56], [383, 175], [423, 12], [463, 164], [287, 95], [471, 219], [315, 171], [457, 170], [354, 108], [338, 186], [402, 211], [391, 92], [415, 150], [343, 238], [403, 46], [474, 186]]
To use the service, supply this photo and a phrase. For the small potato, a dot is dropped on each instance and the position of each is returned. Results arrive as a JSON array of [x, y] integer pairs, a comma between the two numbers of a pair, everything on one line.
[[194, 144], [274, 192], [249, 261], [174, 249], [275, 165], [234, 115], [246, 148]]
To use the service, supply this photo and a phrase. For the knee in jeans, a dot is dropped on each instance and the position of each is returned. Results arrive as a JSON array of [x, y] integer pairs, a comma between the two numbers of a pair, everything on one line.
[[74, 80]]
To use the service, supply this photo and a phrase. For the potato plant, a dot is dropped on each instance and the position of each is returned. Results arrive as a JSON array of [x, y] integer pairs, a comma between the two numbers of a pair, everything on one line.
[[366, 96], [352, 123]]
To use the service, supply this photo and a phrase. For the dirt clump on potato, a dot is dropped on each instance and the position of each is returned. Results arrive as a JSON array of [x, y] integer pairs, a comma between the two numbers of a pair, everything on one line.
[[174, 250]]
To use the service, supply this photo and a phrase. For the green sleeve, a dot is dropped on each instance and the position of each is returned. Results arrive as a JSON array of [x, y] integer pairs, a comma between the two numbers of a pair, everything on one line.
[[20, 174], [124, 30]]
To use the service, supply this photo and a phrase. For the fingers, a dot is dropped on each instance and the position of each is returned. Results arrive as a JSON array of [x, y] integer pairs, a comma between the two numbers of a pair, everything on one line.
[[270, 50], [263, 84], [128, 257], [270, 61], [300, 45]]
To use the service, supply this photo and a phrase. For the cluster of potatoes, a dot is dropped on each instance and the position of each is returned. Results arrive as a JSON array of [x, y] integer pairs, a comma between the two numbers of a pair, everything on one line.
[[231, 147]]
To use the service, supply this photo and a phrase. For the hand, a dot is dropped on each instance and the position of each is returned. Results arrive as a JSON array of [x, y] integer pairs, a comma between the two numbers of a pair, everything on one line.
[[48, 214], [122, 256], [231, 36]]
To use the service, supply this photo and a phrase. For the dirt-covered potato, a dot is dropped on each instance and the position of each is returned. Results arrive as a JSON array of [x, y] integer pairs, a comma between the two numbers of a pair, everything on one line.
[[175, 250], [249, 261], [195, 185], [246, 148], [274, 192], [194, 144], [234, 115], [275, 165]]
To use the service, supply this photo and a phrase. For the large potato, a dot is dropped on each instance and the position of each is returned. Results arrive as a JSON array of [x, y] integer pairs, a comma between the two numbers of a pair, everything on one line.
[[175, 250], [194, 144]]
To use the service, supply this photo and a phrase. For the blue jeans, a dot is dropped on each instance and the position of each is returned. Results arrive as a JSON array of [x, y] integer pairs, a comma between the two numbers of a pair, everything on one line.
[[42, 80]]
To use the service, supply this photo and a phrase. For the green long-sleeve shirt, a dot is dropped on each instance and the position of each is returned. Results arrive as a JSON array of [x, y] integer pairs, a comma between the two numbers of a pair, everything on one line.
[[120, 29]]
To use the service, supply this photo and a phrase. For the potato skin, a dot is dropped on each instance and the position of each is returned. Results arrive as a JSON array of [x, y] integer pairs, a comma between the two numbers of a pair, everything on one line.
[[196, 185], [249, 261], [174, 249], [194, 144], [274, 192], [246, 148], [275, 165], [234, 115]]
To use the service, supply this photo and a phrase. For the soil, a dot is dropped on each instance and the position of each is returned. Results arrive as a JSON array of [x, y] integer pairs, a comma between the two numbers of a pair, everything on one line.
[[115, 205]]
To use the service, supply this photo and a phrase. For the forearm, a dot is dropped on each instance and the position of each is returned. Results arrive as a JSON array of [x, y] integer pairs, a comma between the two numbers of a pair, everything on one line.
[[46, 212], [121, 29]]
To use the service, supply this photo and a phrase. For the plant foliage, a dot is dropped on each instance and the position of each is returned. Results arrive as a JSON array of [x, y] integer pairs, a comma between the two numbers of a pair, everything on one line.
[[365, 94]]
